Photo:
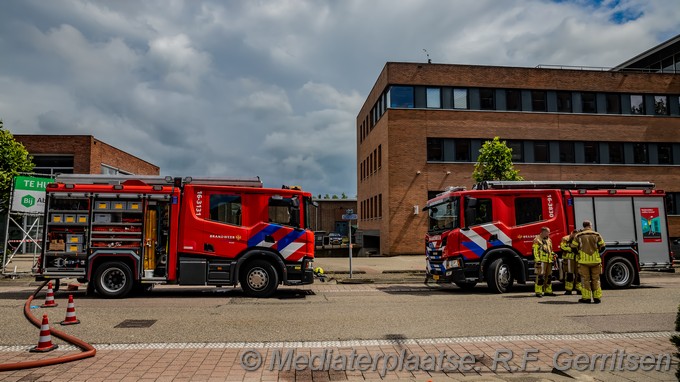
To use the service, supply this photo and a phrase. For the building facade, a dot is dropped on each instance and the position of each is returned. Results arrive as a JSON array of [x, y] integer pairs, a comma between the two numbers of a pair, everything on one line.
[[422, 125], [81, 154]]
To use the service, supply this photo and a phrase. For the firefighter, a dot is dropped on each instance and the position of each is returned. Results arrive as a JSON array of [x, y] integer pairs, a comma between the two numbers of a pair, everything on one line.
[[587, 245], [569, 265], [543, 257]]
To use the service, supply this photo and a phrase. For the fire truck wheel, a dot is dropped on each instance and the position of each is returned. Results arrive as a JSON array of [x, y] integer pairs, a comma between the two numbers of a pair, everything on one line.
[[259, 279], [113, 279], [619, 273], [499, 276]]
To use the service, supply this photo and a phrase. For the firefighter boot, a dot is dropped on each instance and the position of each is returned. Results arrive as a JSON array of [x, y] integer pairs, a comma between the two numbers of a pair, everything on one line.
[[597, 295], [585, 296], [569, 284], [548, 290], [538, 287]]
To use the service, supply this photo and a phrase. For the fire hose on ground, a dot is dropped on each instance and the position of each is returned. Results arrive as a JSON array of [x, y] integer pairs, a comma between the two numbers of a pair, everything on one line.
[[87, 349]]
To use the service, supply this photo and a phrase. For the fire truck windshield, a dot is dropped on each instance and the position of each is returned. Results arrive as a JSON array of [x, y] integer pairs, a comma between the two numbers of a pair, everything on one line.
[[444, 216]]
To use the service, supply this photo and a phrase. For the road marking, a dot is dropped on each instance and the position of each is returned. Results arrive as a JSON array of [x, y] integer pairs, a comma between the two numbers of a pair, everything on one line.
[[357, 343]]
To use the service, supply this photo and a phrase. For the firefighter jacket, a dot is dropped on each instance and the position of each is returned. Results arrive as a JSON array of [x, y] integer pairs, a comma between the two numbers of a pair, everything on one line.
[[587, 245], [542, 250], [565, 245]]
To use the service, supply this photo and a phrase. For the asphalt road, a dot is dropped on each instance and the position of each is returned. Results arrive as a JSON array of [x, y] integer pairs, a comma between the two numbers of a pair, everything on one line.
[[344, 312]]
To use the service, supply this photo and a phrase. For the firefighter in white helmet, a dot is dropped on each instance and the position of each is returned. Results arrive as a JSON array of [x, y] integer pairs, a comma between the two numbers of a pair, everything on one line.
[[569, 265], [587, 245], [543, 258]]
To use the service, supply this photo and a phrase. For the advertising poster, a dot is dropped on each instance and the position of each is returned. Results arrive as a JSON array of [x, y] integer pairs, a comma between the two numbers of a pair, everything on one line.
[[29, 194], [651, 225]]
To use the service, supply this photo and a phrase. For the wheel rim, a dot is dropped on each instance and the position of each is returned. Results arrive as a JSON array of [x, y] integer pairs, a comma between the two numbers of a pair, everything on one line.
[[113, 280], [619, 274], [258, 278], [503, 276]]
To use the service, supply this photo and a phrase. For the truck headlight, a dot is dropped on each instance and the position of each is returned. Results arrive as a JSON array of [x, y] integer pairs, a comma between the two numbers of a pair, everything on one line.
[[452, 263]]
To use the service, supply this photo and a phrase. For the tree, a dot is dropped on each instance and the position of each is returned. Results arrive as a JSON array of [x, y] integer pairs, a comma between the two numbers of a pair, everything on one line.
[[343, 196], [495, 162], [13, 159]]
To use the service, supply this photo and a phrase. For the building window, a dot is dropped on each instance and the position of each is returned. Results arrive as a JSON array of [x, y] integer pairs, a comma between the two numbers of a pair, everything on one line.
[[567, 152], [615, 152], [380, 206], [460, 98], [672, 203], [665, 151], [613, 104], [53, 164], [110, 170], [462, 150], [435, 149], [661, 105], [375, 160], [513, 100], [588, 103], [517, 148], [225, 208], [528, 210], [434, 100], [592, 152], [538, 101], [401, 96], [541, 152], [486, 99], [640, 153], [379, 157], [637, 104], [564, 102]]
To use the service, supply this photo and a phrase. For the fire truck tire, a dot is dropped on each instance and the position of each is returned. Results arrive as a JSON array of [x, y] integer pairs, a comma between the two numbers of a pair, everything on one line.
[[113, 279], [259, 278], [499, 276], [619, 273], [466, 285]]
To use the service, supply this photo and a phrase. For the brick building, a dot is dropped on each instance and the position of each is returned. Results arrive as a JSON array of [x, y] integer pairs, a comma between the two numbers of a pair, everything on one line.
[[81, 154], [327, 217], [422, 125]]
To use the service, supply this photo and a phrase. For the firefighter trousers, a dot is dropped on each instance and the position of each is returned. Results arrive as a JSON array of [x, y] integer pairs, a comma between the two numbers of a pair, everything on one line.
[[572, 275], [543, 278], [590, 275]]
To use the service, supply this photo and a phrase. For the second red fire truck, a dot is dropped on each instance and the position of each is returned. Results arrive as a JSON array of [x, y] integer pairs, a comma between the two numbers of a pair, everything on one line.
[[125, 233], [486, 234]]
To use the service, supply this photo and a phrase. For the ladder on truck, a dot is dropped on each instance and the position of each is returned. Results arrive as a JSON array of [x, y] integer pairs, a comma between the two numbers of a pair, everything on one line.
[[563, 185], [154, 180]]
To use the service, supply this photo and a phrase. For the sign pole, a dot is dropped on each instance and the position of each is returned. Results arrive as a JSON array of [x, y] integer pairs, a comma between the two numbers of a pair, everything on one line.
[[349, 234]]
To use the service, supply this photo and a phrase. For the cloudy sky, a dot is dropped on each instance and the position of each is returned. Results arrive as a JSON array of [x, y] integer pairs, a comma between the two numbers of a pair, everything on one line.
[[273, 88]]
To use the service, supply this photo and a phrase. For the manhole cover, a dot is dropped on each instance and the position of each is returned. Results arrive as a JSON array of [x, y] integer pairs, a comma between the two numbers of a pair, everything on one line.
[[136, 324]]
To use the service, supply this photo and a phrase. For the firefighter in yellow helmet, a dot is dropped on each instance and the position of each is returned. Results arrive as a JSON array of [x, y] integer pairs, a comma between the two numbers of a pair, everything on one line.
[[587, 245], [569, 265], [543, 257]]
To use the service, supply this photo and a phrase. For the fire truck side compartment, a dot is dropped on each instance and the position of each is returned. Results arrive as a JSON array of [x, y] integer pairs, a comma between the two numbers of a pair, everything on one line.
[[192, 271]]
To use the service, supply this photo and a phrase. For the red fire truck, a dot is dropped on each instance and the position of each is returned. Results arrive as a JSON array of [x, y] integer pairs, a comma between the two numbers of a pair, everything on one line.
[[121, 233], [486, 234]]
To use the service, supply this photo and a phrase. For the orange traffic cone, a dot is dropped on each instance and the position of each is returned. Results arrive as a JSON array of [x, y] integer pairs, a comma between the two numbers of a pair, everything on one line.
[[45, 341], [70, 313], [49, 300]]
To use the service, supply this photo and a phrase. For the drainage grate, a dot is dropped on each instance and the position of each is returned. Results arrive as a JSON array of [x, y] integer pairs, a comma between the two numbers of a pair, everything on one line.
[[136, 324]]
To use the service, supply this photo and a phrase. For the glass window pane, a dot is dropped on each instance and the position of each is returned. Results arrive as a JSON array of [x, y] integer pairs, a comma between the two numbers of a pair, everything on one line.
[[434, 98], [538, 101], [435, 149], [401, 96], [613, 104], [637, 104], [588, 103], [528, 210], [460, 98], [592, 152], [517, 148], [486, 99], [564, 102], [462, 150], [615, 152], [53, 160], [541, 151], [483, 213], [661, 105], [225, 208], [665, 153], [513, 100], [640, 154], [567, 152], [667, 65]]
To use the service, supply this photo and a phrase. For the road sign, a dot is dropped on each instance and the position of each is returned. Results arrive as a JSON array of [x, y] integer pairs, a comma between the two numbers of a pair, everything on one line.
[[350, 217], [29, 194]]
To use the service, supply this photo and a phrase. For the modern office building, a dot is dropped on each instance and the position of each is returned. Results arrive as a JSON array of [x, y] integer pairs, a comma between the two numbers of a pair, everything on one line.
[[422, 126]]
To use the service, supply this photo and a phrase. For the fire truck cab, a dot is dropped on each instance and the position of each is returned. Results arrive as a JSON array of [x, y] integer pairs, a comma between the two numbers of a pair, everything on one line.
[[486, 234], [129, 232]]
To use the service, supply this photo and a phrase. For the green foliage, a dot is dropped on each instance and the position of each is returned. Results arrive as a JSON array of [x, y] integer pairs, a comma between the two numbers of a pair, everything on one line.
[[495, 162], [343, 196], [13, 159]]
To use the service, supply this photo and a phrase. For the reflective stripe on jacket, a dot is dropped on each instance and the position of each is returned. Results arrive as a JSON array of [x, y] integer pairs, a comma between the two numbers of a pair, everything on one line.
[[588, 245], [565, 245], [542, 250]]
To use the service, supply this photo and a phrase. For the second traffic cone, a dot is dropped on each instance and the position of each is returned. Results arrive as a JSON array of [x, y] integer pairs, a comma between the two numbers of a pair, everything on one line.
[[70, 313], [49, 300], [45, 341]]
